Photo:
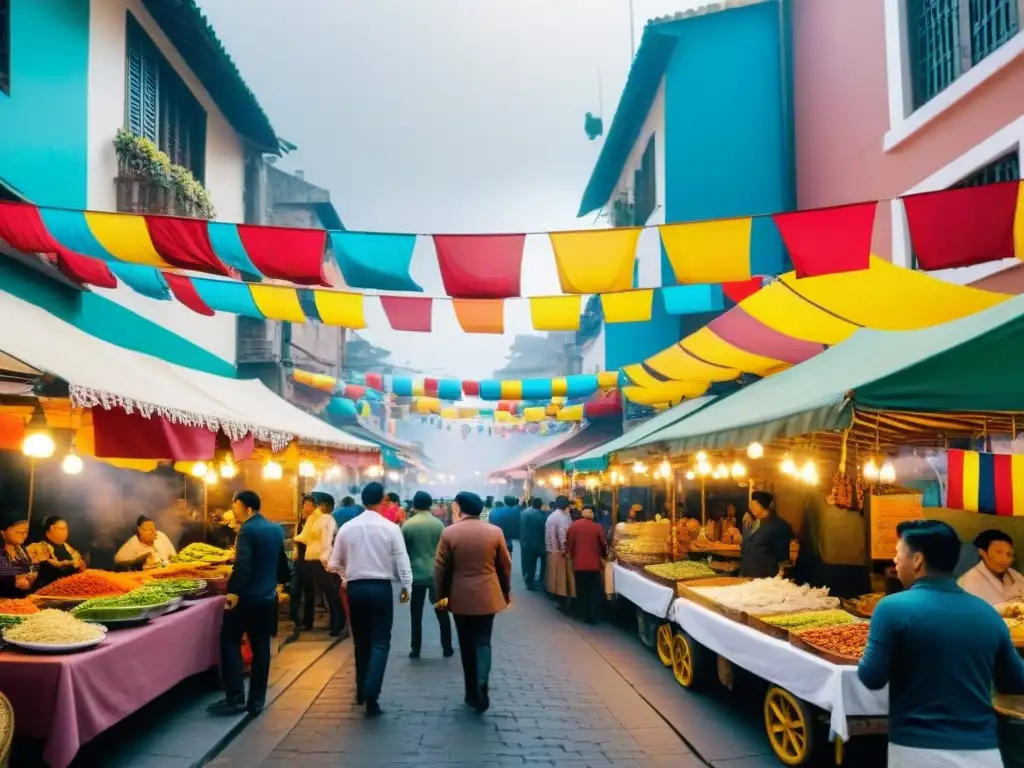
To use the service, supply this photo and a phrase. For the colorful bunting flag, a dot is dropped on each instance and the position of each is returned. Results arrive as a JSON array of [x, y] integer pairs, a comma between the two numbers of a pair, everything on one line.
[[708, 346], [963, 227], [227, 296], [278, 303], [556, 313], [148, 281], [375, 261], [828, 240], [185, 243], [408, 313], [480, 315], [286, 253], [341, 309], [84, 270], [628, 306], [990, 483], [228, 247], [708, 251], [124, 237], [480, 266], [692, 299], [185, 292], [596, 261], [742, 289]]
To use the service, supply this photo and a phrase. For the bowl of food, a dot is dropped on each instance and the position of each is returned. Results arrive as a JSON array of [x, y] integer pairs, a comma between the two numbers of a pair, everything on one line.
[[53, 631]]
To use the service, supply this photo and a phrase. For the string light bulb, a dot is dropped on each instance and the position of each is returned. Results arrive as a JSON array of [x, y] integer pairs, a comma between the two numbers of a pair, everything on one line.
[[755, 451], [704, 468], [701, 457], [870, 471], [72, 464], [211, 477], [737, 470], [639, 468], [228, 469], [809, 473], [557, 481], [272, 471], [665, 468], [887, 474], [307, 468], [691, 475], [393, 476], [591, 482], [334, 472], [199, 469], [788, 466]]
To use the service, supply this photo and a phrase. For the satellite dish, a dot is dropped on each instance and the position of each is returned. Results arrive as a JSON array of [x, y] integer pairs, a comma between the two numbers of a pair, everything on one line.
[[594, 126]]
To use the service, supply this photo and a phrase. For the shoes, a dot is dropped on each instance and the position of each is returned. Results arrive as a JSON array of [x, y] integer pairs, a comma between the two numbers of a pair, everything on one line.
[[483, 701], [227, 707], [254, 710], [360, 699], [373, 708], [414, 654], [448, 652]]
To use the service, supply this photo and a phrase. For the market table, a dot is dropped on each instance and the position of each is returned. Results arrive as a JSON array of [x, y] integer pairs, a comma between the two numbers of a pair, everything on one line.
[[832, 687], [646, 594], [66, 700]]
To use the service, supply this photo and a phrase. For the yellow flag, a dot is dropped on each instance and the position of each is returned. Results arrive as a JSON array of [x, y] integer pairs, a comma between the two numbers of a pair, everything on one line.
[[596, 261], [708, 251], [628, 306]]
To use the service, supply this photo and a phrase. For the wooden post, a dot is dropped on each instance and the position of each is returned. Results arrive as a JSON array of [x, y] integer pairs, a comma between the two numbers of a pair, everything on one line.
[[671, 495]]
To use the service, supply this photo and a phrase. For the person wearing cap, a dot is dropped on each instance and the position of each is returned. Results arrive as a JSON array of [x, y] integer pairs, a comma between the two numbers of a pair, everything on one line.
[[766, 536], [993, 579], [422, 533], [560, 580], [369, 553], [473, 579]]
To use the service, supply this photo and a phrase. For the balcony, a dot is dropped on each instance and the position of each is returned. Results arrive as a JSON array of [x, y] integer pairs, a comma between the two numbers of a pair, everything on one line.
[[135, 195]]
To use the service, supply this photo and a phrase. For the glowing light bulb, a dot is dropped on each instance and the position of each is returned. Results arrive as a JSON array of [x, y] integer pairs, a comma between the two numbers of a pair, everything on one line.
[[738, 470], [591, 482], [228, 470], [704, 469], [211, 477], [701, 457], [542, 483], [887, 474], [557, 481], [755, 450], [690, 475], [334, 472], [665, 468], [199, 469], [72, 464], [722, 470], [809, 473], [38, 445], [272, 471], [639, 468], [306, 468], [788, 466], [870, 471]]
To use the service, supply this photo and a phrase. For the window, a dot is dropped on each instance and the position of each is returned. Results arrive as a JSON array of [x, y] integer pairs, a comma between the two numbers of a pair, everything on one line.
[[1003, 168], [948, 37], [645, 186], [160, 107], [5, 46]]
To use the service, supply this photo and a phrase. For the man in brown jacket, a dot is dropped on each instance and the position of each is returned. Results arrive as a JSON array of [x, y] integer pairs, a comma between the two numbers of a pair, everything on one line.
[[473, 576]]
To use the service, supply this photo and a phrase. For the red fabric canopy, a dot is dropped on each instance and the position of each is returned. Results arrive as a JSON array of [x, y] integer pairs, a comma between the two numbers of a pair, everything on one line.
[[828, 240], [184, 290], [123, 435], [480, 266], [738, 291], [185, 243]]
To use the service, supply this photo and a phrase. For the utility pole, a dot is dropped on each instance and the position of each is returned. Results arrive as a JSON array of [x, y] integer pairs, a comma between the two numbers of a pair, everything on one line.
[[632, 33]]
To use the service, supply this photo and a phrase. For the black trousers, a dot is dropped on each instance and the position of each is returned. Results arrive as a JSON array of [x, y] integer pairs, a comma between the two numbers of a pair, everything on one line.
[[330, 584], [303, 593], [529, 558], [371, 605], [258, 620], [589, 594], [475, 650], [419, 593]]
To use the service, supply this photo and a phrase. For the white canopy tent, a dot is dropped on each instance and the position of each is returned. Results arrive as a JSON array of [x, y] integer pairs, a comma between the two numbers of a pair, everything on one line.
[[103, 375]]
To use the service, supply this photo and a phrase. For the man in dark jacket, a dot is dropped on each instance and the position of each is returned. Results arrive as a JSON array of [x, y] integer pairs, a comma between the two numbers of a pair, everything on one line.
[[251, 607], [422, 533], [587, 549], [531, 540], [506, 516], [766, 537]]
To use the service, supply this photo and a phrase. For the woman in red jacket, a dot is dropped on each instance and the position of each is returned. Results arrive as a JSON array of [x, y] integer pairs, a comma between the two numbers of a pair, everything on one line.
[[587, 548]]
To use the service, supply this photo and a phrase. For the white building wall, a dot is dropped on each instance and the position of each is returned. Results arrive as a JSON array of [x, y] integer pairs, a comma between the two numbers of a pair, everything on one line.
[[225, 159]]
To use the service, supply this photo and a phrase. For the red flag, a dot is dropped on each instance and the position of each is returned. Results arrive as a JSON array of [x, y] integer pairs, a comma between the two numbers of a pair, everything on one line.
[[375, 381], [122, 435], [740, 290], [286, 253], [470, 388], [185, 291], [828, 240], [962, 227], [185, 243], [480, 266], [407, 313], [86, 271], [430, 386], [23, 228]]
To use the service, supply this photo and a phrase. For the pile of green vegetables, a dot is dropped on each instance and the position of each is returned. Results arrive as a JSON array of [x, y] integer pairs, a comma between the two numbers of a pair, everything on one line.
[[137, 601], [10, 620], [799, 622]]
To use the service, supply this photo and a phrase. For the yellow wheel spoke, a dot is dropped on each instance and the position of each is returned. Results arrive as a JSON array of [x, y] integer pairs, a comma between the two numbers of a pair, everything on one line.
[[777, 711]]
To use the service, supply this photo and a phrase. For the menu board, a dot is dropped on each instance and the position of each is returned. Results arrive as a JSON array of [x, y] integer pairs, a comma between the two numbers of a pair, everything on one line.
[[886, 513]]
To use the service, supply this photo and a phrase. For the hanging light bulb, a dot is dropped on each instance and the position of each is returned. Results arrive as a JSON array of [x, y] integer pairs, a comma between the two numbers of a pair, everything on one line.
[[307, 468], [809, 473], [704, 468], [887, 474], [870, 471], [666, 468], [755, 451], [72, 464], [557, 481], [691, 475], [737, 470], [211, 477], [722, 470], [199, 469], [272, 471], [542, 483], [701, 457], [788, 466], [228, 469], [591, 482], [37, 443], [639, 468]]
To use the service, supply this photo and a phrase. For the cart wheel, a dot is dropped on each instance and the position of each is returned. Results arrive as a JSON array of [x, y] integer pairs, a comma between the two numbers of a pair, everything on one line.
[[644, 628], [664, 644], [790, 726], [690, 662]]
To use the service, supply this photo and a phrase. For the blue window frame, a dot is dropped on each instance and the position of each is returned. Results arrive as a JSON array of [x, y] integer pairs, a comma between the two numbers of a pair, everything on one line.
[[948, 37], [5, 46]]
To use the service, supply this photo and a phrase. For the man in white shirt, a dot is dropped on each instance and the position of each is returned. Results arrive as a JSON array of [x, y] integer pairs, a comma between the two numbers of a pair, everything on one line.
[[993, 579], [148, 548], [369, 553], [303, 591]]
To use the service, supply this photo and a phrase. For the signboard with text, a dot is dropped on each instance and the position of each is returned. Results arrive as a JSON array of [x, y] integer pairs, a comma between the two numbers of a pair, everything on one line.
[[886, 513]]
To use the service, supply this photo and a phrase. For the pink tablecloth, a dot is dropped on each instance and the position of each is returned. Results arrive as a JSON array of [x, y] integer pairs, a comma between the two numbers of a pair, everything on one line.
[[68, 700]]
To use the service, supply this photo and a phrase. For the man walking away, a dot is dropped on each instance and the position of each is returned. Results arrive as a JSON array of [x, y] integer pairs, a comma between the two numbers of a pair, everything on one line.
[[251, 607], [328, 582], [473, 572], [506, 517], [940, 650], [586, 548], [422, 533], [303, 588], [369, 552], [531, 543], [348, 510], [560, 582]]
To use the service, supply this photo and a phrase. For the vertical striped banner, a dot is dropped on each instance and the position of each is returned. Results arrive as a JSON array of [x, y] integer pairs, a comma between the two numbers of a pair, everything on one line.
[[986, 483], [971, 471], [1017, 474], [1002, 484], [989, 483], [955, 479]]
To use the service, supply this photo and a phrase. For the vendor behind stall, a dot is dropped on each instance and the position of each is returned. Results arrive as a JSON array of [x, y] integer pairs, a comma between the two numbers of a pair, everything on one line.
[[766, 536], [17, 576], [993, 580], [148, 548], [53, 555]]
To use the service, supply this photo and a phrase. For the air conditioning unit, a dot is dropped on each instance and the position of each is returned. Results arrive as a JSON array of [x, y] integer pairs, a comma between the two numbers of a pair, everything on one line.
[[259, 341]]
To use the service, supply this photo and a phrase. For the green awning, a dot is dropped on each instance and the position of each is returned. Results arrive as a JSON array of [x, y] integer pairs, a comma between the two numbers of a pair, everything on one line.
[[971, 364]]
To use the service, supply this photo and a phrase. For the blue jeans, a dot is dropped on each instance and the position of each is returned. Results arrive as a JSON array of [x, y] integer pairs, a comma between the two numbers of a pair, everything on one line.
[[372, 609]]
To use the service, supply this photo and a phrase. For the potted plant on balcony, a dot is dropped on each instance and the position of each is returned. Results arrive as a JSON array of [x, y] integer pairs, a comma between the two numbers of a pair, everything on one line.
[[148, 182]]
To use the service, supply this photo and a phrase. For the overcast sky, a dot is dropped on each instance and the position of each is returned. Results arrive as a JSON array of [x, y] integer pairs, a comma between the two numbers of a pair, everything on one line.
[[441, 116]]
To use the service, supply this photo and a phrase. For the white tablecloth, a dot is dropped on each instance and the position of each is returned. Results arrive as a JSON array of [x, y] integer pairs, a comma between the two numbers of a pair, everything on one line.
[[648, 595], [833, 687]]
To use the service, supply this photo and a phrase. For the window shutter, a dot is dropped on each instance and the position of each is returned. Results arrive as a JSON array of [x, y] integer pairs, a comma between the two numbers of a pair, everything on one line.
[[134, 107], [143, 81], [150, 96]]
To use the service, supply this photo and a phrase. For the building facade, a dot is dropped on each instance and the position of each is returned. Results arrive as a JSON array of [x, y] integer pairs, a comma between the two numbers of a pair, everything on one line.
[[894, 97], [74, 72], [703, 130]]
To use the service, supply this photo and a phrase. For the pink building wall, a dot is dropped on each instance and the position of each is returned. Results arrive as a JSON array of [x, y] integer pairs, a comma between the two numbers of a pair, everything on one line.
[[841, 98]]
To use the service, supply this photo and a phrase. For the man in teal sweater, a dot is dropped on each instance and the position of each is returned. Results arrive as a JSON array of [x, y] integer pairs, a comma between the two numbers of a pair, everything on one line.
[[940, 650], [422, 532]]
